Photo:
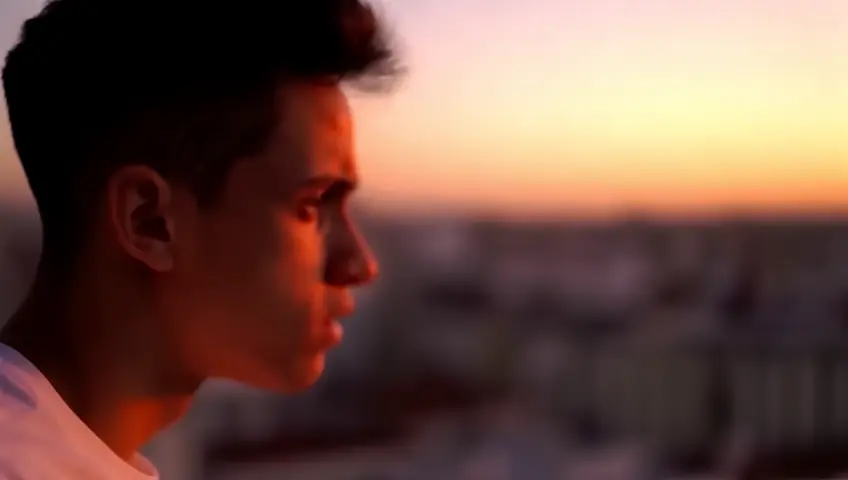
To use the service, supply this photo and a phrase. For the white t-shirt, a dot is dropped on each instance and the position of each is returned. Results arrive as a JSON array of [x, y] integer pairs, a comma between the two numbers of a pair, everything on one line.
[[42, 439]]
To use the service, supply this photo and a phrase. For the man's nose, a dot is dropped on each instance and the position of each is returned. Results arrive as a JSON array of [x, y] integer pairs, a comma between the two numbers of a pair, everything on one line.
[[353, 263]]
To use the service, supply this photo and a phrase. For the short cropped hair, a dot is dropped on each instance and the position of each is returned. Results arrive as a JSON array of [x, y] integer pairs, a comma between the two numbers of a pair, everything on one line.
[[184, 86]]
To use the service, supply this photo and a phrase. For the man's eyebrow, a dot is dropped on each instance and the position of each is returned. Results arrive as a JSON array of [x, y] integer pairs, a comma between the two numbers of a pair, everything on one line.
[[331, 181]]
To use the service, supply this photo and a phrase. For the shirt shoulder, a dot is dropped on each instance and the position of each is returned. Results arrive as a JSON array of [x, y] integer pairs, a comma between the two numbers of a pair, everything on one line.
[[41, 438], [29, 440]]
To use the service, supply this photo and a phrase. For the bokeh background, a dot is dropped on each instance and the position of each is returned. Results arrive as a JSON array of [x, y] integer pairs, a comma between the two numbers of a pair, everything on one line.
[[614, 237]]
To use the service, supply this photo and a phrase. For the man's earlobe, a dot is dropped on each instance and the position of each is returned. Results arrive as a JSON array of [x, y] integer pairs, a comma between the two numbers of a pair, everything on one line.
[[140, 206]]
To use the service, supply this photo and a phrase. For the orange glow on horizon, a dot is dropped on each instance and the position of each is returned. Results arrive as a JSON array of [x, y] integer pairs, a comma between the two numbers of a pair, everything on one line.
[[668, 106]]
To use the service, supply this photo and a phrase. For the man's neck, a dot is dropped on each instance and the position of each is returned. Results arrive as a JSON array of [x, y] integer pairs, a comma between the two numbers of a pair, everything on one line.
[[113, 383]]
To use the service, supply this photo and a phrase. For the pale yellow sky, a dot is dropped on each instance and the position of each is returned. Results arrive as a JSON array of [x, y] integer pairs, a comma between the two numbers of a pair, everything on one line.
[[666, 105]]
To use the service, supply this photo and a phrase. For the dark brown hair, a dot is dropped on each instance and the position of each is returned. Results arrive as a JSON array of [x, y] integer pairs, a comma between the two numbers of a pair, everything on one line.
[[185, 86]]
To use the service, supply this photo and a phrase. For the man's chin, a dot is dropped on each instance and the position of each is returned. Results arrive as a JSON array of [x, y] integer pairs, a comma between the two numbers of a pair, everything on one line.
[[306, 376], [293, 379]]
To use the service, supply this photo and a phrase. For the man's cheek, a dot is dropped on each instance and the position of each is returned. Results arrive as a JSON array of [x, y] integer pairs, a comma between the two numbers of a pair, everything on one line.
[[303, 256]]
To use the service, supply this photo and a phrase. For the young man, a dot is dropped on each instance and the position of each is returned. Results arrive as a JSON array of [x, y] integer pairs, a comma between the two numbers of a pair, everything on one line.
[[191, 161]]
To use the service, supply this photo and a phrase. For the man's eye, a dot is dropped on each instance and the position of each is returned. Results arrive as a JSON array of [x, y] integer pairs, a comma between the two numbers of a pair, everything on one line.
[[310, 209]]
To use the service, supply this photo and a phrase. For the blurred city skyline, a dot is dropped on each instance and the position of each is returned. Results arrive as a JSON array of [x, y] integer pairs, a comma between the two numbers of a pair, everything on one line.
[[587, 108]]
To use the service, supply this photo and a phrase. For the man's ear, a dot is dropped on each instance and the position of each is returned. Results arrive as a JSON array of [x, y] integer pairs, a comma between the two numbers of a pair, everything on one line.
[[141, 215]]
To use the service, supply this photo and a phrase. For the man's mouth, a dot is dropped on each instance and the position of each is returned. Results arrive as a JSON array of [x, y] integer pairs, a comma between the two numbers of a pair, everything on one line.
[[332, 333], [336, 331]]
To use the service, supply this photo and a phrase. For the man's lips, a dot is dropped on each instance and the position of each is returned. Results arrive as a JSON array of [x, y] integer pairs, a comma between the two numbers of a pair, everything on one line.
[[346, 310], [334, 330]]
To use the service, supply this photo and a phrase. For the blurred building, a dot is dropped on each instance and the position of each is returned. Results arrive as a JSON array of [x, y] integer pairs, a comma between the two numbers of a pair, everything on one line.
[[648, 350]]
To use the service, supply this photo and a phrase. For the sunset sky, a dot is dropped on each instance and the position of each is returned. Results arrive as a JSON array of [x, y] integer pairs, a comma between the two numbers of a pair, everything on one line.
[[592, 107]]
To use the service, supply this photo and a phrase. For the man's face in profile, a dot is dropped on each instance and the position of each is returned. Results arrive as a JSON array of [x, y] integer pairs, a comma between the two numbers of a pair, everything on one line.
[[260, 278]]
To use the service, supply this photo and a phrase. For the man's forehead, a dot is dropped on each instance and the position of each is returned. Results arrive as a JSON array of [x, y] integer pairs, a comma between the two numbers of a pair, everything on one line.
[[315, 137], [324, 104]]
